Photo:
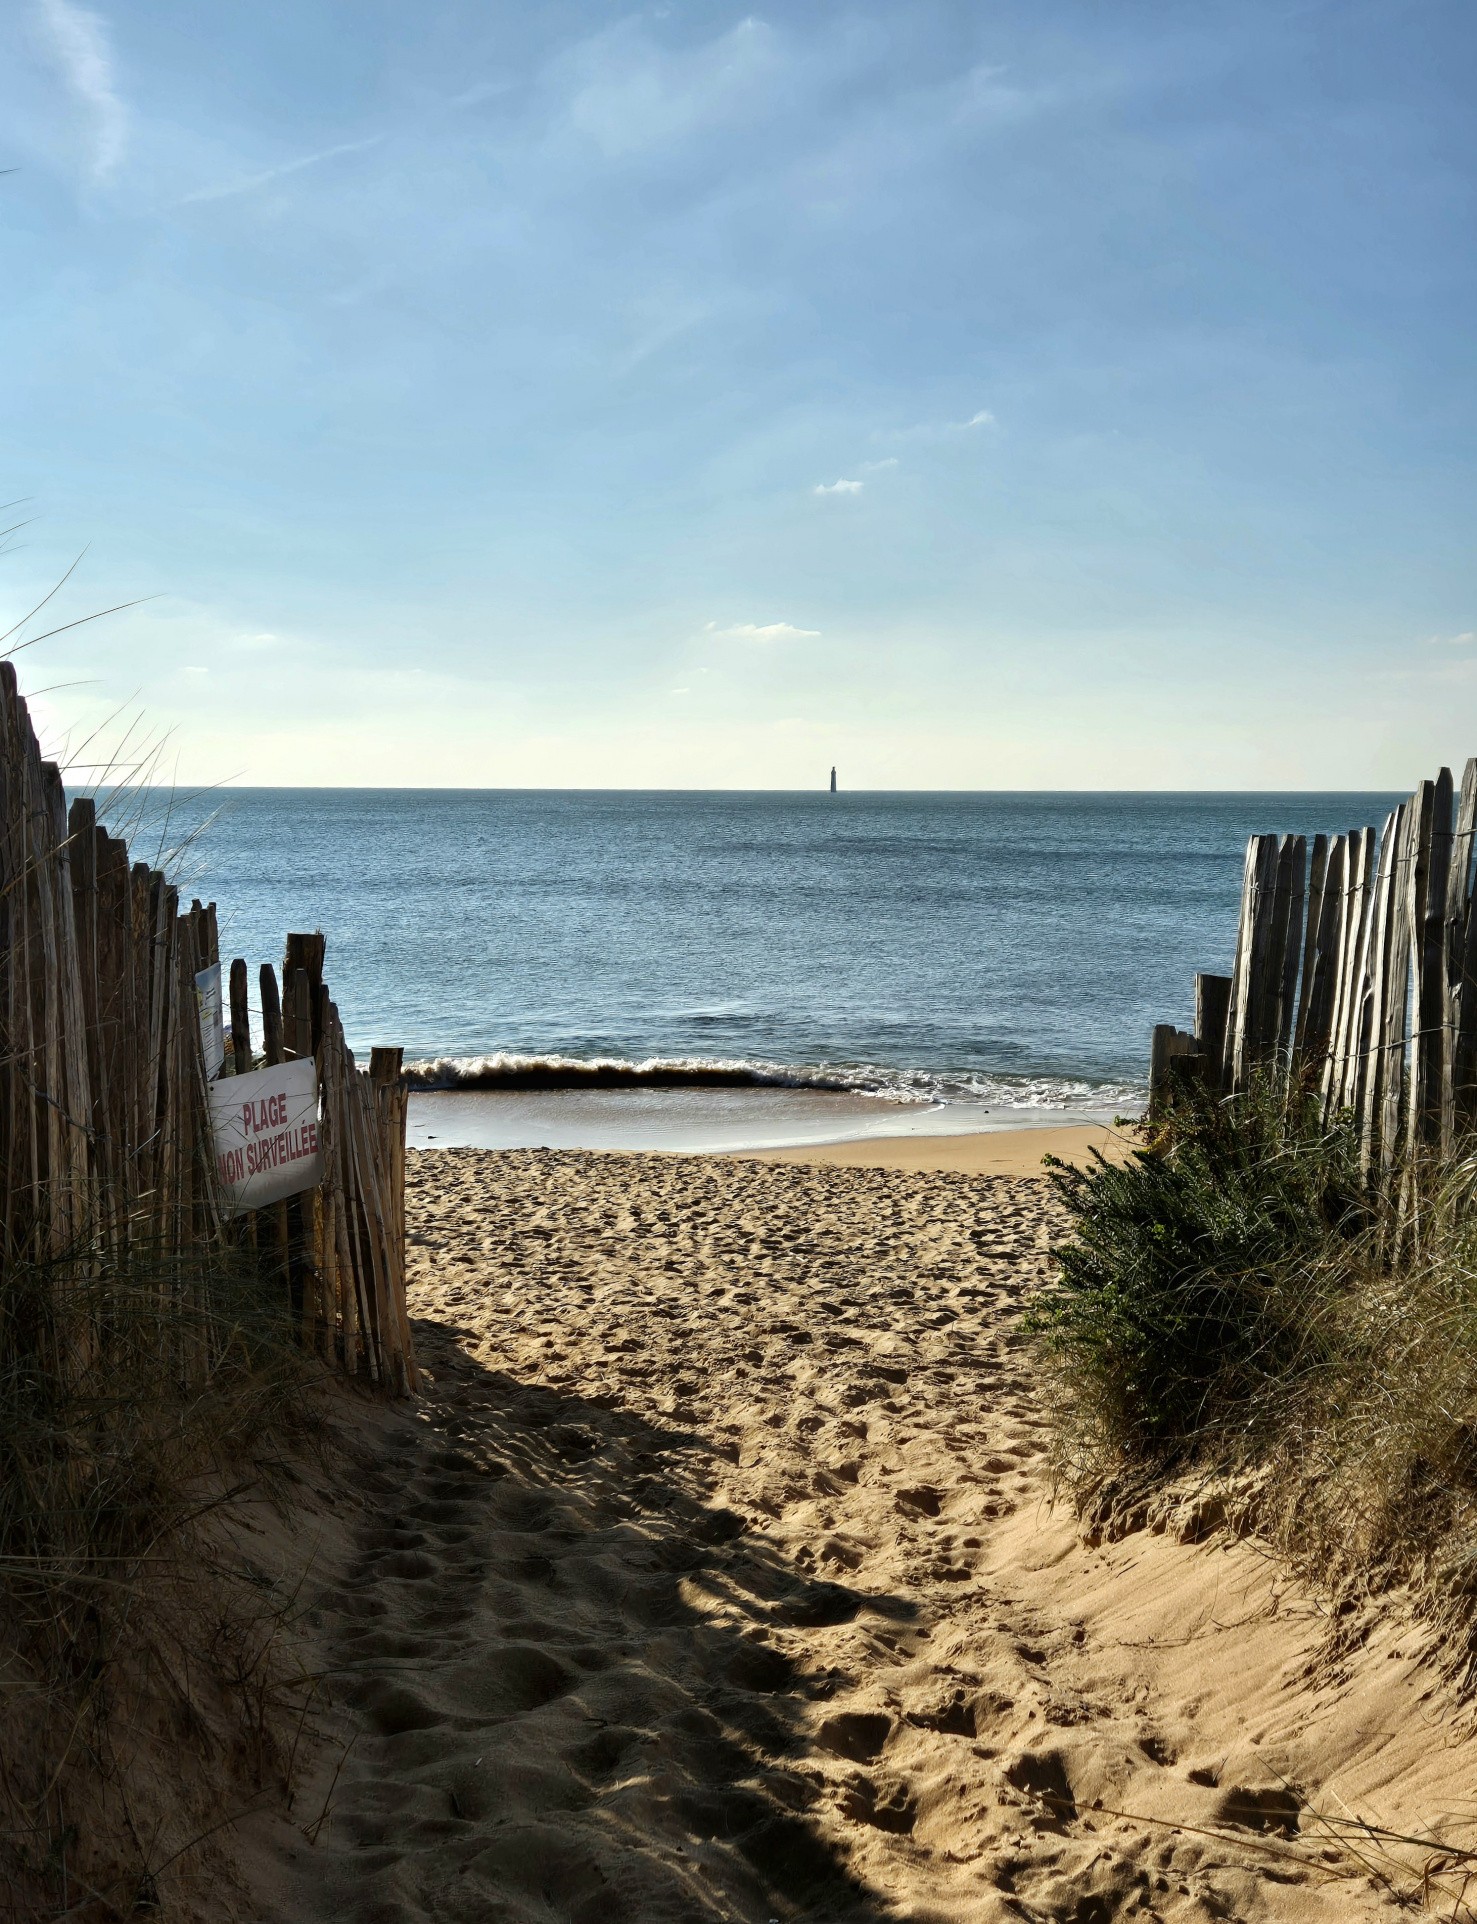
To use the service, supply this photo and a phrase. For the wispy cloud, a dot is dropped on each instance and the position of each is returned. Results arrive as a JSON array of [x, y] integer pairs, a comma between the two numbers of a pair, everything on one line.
[[657, 325], [78, 42], [756, 631], [249, 183], [631, 94], [837, 487], [1465, 639], [940, 430], [482, 91], [876, 467]]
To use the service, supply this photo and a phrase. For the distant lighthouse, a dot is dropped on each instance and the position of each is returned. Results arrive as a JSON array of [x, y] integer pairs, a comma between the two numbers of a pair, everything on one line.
[[833, 781]]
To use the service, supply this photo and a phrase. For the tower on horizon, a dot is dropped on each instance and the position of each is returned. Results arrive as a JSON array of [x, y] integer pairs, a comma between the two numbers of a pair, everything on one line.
[[833, 781]]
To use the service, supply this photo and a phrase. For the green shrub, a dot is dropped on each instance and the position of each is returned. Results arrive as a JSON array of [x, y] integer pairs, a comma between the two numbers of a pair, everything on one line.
[[1234, 1299], [1198, 1274]]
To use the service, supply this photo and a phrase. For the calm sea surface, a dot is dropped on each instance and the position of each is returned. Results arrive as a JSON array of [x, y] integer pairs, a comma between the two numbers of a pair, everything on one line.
[[990, 949]]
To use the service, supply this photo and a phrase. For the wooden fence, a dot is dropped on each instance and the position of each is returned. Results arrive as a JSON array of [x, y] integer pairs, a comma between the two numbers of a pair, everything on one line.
[[1355, 972], [105, 1139]]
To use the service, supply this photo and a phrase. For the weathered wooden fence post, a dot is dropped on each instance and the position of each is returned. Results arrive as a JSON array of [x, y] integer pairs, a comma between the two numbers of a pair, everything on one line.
[[1212, 1006], [106, 1138], [1355, 977]]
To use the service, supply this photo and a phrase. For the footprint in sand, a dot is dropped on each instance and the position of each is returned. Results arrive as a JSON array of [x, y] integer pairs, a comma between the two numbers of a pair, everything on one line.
[[609, 1667]]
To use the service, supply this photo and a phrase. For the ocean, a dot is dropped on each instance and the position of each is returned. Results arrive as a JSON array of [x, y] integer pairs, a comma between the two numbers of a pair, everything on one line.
[[998, 956]]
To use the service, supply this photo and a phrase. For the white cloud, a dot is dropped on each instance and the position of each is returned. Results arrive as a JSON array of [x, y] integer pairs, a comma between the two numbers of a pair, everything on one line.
[[837, 487], [755, 631], [876, 467], [250, 182], [1464, 640], [78, 41], [940, 430]]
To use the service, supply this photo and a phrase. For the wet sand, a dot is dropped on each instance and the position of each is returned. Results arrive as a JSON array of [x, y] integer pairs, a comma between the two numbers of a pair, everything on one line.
[[709, 1121], [1006, 1152], [718, 1576]]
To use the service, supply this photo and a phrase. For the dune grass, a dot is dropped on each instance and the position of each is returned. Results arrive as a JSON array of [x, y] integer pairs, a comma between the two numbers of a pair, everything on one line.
[[1233, 1302], [140, 1688]]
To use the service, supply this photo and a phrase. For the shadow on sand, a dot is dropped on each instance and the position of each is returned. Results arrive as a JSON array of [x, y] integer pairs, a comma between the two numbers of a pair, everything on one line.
[[577, 1679]]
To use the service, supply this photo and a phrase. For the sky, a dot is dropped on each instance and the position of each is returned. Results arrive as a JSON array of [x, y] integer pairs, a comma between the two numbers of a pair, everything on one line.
[[1032, 394]]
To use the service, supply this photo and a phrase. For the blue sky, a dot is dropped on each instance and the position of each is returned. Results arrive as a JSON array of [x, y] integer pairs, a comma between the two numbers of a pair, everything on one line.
[[994, 395]]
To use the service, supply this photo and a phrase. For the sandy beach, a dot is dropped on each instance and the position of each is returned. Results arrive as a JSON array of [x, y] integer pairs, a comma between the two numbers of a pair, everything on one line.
[[738, 964], [718, 1576], [1006, 1152]]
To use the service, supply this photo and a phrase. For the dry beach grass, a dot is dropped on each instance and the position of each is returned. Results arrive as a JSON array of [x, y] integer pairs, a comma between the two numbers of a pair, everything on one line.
[[718, 1576]]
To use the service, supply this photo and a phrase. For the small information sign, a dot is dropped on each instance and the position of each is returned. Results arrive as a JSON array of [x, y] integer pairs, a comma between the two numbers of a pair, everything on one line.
[[266, 1134], [212, 1019]]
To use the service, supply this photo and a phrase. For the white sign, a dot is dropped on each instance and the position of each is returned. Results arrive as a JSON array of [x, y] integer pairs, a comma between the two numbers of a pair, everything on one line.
[[266, 1134], [212, 1021]]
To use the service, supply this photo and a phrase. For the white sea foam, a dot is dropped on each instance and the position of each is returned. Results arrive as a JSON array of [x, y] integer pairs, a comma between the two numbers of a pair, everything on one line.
[[508, 1071]]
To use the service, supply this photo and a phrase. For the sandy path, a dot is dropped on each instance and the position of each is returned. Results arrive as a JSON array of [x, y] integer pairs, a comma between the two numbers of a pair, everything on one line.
[[716, 1578]]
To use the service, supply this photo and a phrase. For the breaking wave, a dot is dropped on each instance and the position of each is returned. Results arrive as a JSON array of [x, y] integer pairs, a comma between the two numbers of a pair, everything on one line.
[[467, 1074]]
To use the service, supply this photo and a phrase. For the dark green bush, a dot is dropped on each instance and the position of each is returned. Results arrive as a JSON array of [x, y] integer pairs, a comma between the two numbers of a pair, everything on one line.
[[1235, 1300], [1199, 1274]]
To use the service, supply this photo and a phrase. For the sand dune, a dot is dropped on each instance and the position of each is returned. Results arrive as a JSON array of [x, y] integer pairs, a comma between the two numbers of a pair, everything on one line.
[[717, 1577]]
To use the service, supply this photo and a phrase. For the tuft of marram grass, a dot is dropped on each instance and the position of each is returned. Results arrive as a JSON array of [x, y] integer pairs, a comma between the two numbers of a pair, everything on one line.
[[1234, 1303]]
